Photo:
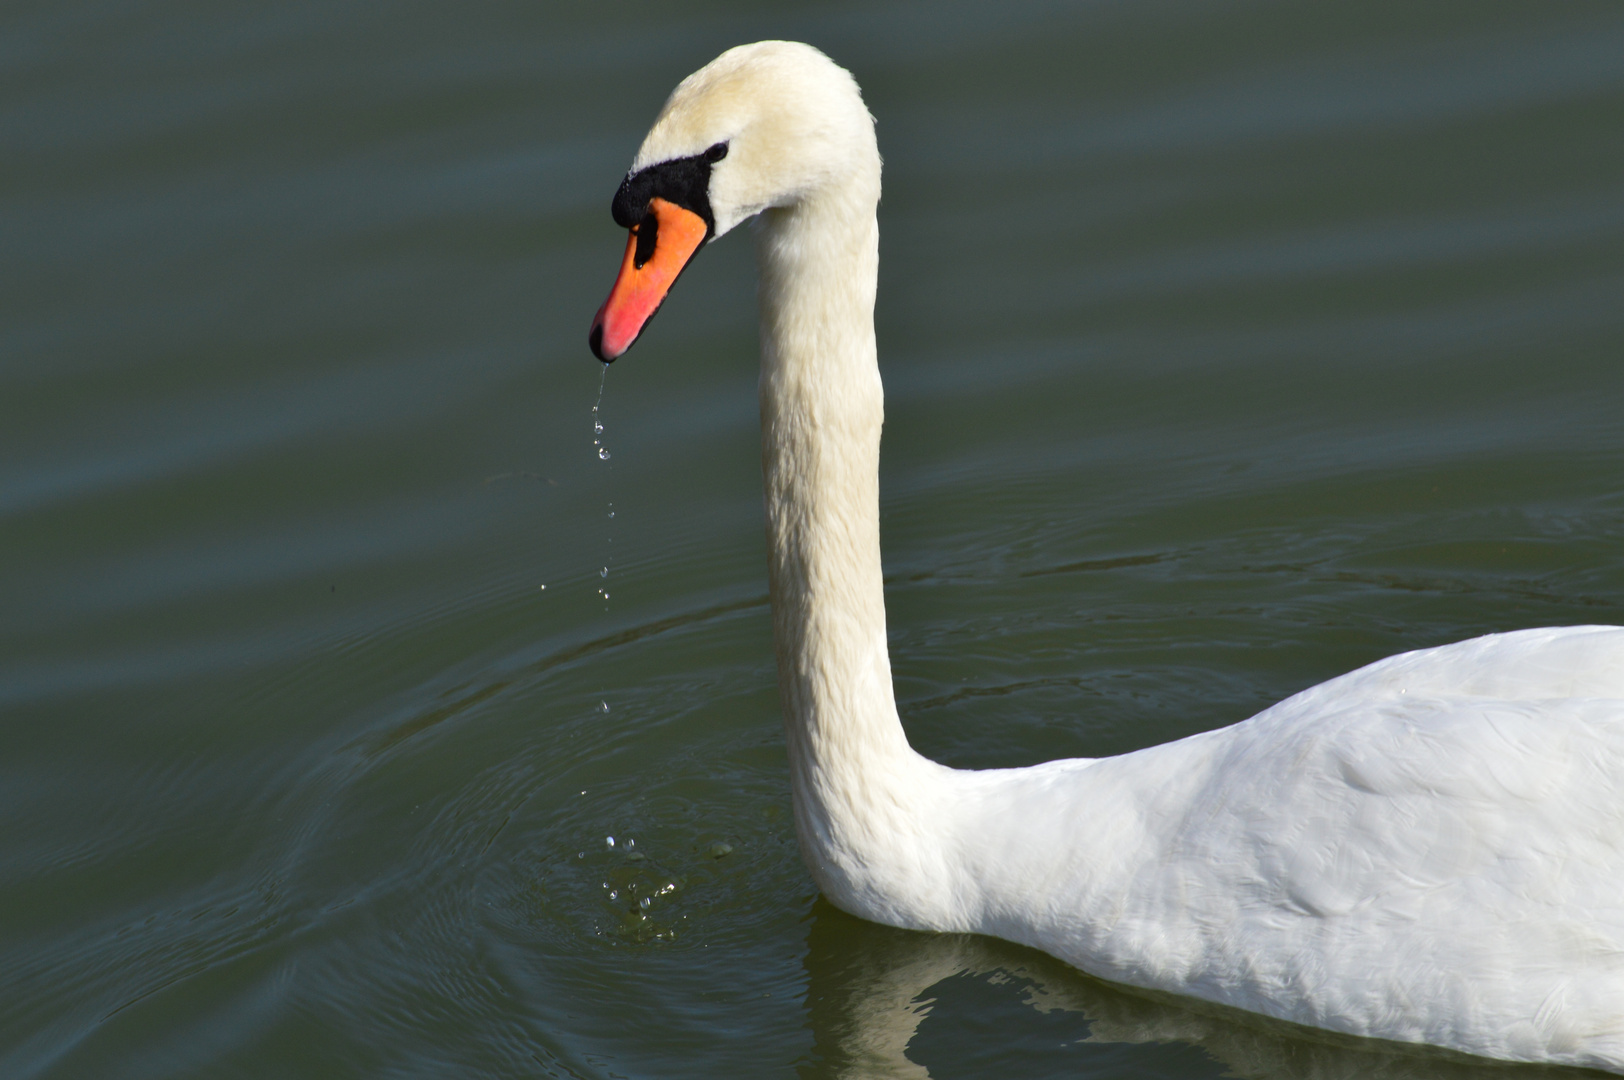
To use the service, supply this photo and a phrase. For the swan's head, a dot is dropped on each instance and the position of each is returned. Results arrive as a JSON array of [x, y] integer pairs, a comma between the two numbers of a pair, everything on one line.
[[761, 126]]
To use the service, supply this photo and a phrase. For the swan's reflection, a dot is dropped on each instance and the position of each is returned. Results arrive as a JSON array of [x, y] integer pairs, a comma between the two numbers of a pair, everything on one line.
[[890, 1004]]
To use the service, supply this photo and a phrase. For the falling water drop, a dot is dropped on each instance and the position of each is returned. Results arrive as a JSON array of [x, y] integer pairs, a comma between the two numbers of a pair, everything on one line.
[[597, 418], [603, 455]]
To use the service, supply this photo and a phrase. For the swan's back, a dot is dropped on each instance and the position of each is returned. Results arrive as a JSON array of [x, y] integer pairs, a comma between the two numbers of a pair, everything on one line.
[[1428, 849], [1524, 665]]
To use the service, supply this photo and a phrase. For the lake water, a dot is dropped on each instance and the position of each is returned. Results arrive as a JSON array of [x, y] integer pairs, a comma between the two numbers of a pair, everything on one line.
[[1228, 346]]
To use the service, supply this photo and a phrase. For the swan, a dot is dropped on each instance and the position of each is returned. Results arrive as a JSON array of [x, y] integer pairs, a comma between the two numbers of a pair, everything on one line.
[[1429, 849]]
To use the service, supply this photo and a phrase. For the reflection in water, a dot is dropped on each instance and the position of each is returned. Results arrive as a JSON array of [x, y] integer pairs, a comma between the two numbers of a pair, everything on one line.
[[892, 1004]]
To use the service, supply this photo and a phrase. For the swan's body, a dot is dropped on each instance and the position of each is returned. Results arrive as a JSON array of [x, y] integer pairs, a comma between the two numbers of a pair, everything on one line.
[[1429, 849]]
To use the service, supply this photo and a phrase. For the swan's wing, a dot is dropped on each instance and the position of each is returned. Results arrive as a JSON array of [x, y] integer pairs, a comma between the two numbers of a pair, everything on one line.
[[1429, 849], [1431, 844]]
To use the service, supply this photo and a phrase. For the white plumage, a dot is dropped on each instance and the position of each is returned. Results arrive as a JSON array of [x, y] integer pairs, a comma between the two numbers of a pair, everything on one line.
[[1429, 849]]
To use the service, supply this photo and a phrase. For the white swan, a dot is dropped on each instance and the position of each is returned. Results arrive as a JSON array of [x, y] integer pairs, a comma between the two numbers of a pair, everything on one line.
[[1429, 849]]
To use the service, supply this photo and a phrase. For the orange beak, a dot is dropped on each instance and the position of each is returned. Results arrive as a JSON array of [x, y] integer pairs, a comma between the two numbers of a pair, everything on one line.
[[659, 247]]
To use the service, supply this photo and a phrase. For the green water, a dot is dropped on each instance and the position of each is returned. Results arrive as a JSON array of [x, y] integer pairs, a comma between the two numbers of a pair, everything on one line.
[[1228, 346]]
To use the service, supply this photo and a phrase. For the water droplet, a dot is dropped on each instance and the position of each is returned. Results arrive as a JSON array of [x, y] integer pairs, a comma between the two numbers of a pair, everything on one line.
[[603, 706], [614, 894], [608, 841], [645, 902], [630, 844], [603, 455], [597, 426], [611, 513], [604, 572]]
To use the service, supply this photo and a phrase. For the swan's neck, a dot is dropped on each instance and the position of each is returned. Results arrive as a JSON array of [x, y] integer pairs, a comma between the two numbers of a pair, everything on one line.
[[858, 787]]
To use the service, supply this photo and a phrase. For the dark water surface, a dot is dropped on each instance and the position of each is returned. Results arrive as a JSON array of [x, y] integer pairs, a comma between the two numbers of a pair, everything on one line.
[[1228, 346]]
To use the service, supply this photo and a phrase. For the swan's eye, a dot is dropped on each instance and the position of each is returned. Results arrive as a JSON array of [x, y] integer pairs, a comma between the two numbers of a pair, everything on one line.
[[716, 153]]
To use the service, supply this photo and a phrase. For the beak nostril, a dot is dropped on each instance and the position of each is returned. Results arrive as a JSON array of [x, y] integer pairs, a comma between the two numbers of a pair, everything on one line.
[[647, 232]]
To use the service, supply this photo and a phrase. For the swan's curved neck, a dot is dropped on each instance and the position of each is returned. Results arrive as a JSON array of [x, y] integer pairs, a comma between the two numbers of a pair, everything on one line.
[[858, 787]]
